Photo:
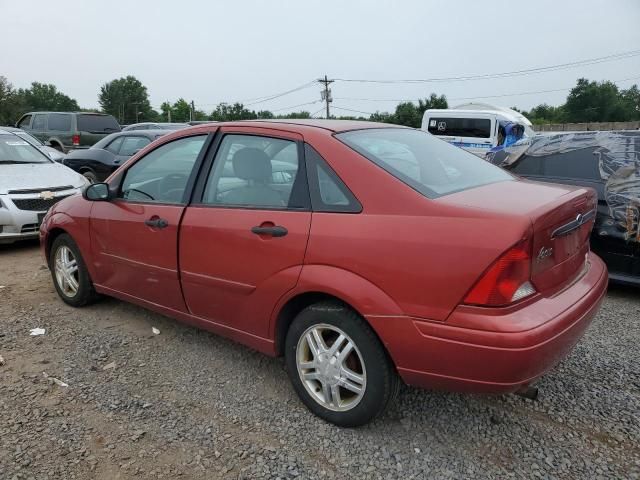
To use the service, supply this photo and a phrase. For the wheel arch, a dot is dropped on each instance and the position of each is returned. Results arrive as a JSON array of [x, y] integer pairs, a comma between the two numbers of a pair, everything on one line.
[[321, 283]]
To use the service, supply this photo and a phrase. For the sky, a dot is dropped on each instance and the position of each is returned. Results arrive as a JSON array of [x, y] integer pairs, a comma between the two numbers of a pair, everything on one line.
[[237, 50]]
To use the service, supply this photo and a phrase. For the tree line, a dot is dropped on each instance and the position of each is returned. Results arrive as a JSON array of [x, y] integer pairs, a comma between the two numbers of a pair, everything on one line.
[[127, 99]]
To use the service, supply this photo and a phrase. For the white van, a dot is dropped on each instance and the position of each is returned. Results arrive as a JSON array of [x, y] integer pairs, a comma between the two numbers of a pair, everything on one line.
[[476, 127]]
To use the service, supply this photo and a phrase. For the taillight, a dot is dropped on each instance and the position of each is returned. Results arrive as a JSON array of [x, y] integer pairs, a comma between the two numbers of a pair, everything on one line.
[[506, 281], [76, 140]]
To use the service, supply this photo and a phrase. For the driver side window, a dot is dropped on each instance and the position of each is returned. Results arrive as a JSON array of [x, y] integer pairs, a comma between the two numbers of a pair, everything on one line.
[[161, 176]]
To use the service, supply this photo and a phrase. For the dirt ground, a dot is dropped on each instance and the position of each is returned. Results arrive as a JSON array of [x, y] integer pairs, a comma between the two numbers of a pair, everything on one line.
[[188, 403]]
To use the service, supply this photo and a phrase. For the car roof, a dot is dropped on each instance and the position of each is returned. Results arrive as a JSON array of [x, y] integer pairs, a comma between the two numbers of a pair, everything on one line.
[[335, 126], [77, 113], [10, 130]]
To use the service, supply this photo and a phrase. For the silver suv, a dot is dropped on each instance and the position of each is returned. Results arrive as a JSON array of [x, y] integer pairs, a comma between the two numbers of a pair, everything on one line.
[[30, 183]]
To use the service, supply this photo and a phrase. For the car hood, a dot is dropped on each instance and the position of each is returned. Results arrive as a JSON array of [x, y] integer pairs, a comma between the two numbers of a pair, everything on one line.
[[52, 153], [37, 175]]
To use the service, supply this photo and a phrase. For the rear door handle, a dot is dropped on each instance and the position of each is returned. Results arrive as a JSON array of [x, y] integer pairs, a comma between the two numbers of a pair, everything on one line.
[[275, 231], [156, 222]]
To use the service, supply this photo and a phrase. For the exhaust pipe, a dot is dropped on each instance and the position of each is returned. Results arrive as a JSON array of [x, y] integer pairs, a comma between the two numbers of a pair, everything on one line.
[[527, 391]]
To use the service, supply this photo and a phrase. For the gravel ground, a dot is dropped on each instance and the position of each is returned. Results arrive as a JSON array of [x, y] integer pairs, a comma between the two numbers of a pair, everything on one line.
[[188, 403]]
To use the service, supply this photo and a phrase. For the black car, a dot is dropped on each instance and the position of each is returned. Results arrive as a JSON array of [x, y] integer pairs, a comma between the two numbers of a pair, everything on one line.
[[609, 162], [99, 161]]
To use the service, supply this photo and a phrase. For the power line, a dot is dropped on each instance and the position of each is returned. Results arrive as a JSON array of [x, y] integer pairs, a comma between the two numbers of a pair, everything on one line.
[[352, 110], [529, 71], [474, 98], [315, 113], [265, 98], [295, 106]]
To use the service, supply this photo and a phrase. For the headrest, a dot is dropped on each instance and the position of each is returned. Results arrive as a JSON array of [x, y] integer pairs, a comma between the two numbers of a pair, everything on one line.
[[252, 164]]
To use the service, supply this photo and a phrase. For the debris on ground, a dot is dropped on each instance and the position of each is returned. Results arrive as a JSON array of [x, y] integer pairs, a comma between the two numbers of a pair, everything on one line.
[[2, 362], [109, 366], [37, 331], [155, 331], [55, 380]]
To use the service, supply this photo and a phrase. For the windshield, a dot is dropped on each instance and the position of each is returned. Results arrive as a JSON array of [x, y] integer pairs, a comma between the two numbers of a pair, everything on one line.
[[13, 149], [97, 123], [427, 164], [31, 139]]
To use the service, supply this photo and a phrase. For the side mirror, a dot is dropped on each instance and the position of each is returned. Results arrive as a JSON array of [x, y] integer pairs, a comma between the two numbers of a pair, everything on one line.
[[97, 192]]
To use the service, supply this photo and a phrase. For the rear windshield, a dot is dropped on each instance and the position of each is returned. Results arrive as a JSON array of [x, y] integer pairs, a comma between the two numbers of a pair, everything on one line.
[[97, 124], [460, 127], [425, 163], [14, 149]]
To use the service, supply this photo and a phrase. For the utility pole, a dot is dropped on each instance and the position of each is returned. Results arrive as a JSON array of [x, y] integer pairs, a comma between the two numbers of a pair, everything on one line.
[[169, 112], [326, 93], [192, 113]]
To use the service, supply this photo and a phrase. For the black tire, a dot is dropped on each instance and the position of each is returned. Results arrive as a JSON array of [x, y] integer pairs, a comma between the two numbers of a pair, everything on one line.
[[90, 175], [85, 293], [381, 381]]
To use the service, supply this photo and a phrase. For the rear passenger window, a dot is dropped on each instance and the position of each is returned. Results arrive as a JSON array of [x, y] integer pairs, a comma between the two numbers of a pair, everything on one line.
[[528, 166], [328, 192], [578, 164], [460, 127], [256, 171], [114, 146], [131, 145], [59, 122], [39, 122]]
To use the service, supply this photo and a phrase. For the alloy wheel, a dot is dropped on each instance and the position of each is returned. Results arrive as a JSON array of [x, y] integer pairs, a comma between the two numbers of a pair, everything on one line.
[[331, 367], [66, 270]]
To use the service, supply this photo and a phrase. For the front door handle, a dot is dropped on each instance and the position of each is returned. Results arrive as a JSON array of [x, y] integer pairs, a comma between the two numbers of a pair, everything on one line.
[[273, 231], [156, 222]]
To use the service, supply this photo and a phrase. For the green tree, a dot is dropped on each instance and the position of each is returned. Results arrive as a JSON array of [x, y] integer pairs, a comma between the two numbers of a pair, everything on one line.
[[383, 117], [544, 113], [301, 114], [631, 102], [12, 104], [594, 102], [237, 111], [45, 96], [265, 114], [434, 101], [126, 99]]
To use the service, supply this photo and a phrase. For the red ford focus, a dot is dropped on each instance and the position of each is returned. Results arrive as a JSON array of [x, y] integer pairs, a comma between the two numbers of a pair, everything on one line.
[[364, 253]]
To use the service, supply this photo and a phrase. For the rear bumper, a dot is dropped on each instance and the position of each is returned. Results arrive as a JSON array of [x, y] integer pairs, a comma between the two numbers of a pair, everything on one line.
[[515, 349]]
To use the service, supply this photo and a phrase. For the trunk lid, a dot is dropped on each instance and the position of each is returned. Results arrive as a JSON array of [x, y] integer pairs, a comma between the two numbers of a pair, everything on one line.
[[559, 239], [561, 231]]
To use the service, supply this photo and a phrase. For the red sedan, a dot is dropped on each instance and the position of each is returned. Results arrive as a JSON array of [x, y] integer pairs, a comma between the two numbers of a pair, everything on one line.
[[364, 253]]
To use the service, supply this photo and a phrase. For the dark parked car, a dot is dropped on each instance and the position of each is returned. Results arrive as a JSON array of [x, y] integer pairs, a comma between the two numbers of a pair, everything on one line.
[[154, 126], [359, 267], [67, 131], [609, 162], [99, 161]]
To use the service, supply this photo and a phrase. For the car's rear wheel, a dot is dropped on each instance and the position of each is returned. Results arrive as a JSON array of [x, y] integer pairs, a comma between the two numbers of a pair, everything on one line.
[[338, 366], [69, 272]]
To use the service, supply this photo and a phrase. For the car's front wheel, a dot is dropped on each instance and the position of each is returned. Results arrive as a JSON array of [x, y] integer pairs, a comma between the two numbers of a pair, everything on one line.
[[90, 175], [69, 272], [338, 366]]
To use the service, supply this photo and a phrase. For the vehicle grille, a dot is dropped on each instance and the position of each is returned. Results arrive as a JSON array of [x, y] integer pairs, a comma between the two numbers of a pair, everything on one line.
[[38, 190], [29, 228], [36, 204]]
